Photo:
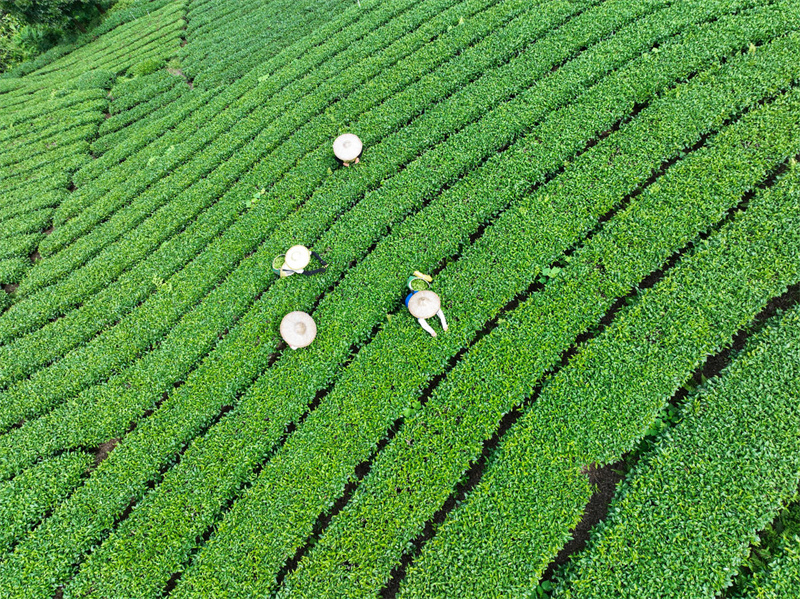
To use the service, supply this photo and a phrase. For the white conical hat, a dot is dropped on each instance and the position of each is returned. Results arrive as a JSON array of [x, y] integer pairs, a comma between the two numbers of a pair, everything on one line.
[[424, 304], [347, 147], [297, 257], [298, 329]]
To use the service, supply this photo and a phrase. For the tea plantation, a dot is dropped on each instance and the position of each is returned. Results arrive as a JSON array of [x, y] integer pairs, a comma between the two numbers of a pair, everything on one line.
[[607, 197]]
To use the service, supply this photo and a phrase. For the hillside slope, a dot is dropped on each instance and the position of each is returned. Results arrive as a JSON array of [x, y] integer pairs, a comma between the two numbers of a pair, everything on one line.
[[606, 193]]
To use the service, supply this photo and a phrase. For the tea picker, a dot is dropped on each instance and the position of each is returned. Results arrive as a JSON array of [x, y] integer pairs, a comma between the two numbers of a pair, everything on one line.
[[424, 303], [295, 260], [298, 329], [347, 148]]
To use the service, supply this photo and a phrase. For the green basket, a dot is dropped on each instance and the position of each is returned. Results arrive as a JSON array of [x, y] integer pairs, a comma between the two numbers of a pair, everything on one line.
[[417, 284], [277, 263]]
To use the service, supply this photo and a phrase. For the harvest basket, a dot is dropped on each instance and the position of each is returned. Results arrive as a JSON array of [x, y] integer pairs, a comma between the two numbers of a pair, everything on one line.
[[277, 263], [418, 284]]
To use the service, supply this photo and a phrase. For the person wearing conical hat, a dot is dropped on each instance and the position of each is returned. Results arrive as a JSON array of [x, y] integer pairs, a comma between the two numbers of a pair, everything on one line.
[[423, 305], [298, 329], [295, 260], [347, 148]]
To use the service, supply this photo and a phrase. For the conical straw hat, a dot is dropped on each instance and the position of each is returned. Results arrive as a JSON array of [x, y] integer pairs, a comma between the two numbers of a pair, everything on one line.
[[298, 329], [347, 147], [424, 304], [298, 257]]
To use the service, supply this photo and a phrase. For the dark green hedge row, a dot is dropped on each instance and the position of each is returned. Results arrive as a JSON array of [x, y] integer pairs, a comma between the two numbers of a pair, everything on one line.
[[685, 517], [39, 129], [52, 158], [139, 115], [130, 93], [34, 198], [100, 69], [10, 85], [603, 403], [74, 127], [20, 245], [54, 176], [11, 271], [132, 149], [27, 223], [39, 115], [20, 171]]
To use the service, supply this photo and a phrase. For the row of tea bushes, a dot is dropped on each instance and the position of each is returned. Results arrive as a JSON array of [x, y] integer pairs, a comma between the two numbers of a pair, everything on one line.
[[249, 129], [47, 136], [780, 575], [227, 40], [33, 494]]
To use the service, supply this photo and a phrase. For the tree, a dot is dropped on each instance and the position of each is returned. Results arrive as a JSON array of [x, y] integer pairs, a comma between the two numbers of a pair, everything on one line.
[[60, 15]]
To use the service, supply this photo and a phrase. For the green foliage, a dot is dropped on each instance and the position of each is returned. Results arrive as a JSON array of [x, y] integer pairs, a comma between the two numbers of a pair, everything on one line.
[[495, 376], [146, 67], [10, 51], [11, 270], [296, 464], [25, 500], [112, 20], [499, 135], [57, 14], [40, 24], [243, 239], [777, 572], [101, 78], [52, 117]]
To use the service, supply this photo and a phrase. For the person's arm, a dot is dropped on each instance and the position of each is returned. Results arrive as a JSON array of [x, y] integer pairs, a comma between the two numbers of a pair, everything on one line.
[[440, 314], [426, 326]]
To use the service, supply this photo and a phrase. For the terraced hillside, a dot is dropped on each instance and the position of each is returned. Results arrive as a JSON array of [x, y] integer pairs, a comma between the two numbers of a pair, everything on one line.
[[607, 195]]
